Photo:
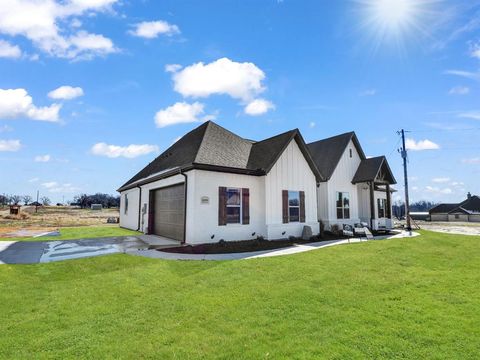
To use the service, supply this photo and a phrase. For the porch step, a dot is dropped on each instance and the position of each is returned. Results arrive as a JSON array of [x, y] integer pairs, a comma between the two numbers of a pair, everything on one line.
[[368, 234]]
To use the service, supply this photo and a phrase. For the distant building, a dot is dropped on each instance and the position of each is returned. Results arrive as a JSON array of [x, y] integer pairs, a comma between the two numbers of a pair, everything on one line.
[[96, 206], [468, 210]]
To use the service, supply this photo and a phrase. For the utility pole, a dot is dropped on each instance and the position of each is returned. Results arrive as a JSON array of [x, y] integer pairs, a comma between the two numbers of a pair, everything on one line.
[[36, 204], [403, 152]]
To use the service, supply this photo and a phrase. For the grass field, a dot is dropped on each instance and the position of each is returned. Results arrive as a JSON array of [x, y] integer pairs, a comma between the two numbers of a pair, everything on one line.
[[72, 233], [413, 298]]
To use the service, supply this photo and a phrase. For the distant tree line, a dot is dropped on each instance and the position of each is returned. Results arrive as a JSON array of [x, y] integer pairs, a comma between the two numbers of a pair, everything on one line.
[[107, 200], [25, 199], [398, 208]]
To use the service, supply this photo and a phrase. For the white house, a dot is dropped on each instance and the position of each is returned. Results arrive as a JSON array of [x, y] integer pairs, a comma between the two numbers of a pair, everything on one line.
[[355, 189], [212, 185]]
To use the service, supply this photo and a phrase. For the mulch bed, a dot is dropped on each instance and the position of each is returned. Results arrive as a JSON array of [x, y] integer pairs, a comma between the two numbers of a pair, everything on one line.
[[227, 247]]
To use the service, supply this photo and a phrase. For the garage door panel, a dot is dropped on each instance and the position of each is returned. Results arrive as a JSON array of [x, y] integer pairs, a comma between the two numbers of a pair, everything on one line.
[[169, 212]]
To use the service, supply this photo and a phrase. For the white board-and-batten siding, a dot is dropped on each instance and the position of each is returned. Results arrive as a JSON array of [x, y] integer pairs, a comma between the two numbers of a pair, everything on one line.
[[340, 181], [290, 172]]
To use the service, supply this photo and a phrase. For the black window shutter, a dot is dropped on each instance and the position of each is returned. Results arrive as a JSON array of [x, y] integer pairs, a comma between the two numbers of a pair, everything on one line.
[[245, 206], [285, 206], [302, 206], [222, 206]]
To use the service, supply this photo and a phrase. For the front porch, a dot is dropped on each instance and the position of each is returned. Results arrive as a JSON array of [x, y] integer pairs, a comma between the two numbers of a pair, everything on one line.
[[374, 179]]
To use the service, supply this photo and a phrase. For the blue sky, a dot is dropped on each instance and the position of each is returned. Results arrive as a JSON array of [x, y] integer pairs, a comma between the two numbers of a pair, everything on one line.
[[91, 91]]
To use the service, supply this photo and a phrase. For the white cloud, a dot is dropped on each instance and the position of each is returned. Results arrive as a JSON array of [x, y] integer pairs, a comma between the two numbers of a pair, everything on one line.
[[55, 187], [441, 180], [258, 107], [368, 92], [457, 183], [312, 124], [475, 50], [10, 145], [8, 50], [152, 29], [465, 74], [42, 158], [5, 128], [115, 151], [459, 90], [16, 103], [474, 114], [420, 145], [182, 112], [239, 80], [46, 24], [436, 190], [471, 160], [32, 180], [172, 68], [66, 92]]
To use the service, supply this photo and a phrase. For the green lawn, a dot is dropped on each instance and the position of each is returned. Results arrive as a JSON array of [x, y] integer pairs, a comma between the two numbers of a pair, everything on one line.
[[413, 298], [72, 233]]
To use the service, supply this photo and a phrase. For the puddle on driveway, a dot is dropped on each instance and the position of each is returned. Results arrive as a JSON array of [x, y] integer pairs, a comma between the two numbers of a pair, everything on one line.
[[76, 249]]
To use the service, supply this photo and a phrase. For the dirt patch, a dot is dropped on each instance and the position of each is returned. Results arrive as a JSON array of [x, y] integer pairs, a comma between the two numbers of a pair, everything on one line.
[[50, 218], [461, 228]]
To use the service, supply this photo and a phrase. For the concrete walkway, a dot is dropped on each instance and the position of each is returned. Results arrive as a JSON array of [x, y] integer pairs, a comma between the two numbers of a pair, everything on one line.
[[26, 252], [158, 254]]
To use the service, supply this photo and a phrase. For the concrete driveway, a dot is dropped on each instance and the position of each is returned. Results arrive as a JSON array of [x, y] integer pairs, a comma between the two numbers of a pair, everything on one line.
[[25, 252]]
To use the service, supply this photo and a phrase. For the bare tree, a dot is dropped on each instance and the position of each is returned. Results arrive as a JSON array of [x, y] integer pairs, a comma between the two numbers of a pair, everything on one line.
[[15, 199], [27, 199], [45, 200]]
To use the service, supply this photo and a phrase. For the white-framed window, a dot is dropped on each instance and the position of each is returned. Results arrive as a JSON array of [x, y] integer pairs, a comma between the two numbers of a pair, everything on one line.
[[234, 206], [343, 205], [125, 210], [293, 206], [382, 206]]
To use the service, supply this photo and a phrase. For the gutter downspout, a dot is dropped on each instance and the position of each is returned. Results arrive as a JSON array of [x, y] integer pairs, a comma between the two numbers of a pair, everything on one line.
[[185, 207], [139, 205]]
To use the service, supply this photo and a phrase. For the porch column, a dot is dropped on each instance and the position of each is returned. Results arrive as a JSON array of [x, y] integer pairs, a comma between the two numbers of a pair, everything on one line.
[[372, 204], [389, 202]]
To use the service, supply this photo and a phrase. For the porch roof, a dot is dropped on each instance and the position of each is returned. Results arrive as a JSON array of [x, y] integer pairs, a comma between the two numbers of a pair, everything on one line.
[[374, 169]]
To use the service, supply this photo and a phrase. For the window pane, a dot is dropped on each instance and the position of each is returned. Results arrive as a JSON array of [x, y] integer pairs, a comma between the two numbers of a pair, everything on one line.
[[339, 213], [233, 215], [346, 200], [346, 213], [293, 198], [294, 214], [339, 200], [233, 196]]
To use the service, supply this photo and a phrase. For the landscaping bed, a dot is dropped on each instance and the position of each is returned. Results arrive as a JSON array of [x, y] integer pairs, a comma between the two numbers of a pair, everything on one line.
[[259, 244]]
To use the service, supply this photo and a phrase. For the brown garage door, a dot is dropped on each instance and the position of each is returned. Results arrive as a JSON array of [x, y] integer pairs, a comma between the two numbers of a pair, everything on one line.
[[168, 216]]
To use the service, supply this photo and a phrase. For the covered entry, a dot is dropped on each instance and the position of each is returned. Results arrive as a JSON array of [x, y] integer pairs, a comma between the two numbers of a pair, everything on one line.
[[167, 212]]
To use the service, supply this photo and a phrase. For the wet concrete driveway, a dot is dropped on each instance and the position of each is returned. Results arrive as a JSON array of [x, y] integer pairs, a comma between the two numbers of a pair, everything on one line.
[[23, 252]]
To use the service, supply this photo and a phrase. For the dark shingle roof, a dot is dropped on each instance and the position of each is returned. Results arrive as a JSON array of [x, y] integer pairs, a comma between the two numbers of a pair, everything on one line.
[[468, 206], [327, 152], [370, 169], [181, 153], [265, 152], [210, 146], [442, 208]]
